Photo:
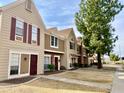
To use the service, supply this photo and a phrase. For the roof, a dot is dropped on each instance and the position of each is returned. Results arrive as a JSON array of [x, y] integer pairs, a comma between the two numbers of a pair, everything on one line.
[[54, 31], [61, 33], [79, 40], [66, 32], [51, 30], [18, 2]]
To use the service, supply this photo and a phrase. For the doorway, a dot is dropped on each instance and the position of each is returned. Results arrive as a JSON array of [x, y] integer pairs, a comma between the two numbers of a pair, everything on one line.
[[33, 65], [56, 63]]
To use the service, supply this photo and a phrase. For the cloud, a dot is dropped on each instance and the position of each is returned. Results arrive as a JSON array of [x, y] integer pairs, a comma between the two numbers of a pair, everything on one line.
[[52, 24], [68, 11], [5, 2], [46, 3], [1, 4]]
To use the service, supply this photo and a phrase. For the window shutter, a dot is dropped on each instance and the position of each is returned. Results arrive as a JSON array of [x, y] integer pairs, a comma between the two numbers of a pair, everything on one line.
[[25, 33], [13, 28], [38, 36], [29, 34]]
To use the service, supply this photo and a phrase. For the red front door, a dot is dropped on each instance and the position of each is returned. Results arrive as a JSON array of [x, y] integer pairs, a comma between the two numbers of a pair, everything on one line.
[[33, 65], [56, 63]]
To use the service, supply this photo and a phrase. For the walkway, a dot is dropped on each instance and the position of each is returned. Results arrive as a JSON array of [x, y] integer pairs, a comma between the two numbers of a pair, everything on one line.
[[80, 82], [17, 81], [118, 83]]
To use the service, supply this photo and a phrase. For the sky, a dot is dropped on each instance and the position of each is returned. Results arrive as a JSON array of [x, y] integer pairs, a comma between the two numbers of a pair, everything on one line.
[[60, 14]]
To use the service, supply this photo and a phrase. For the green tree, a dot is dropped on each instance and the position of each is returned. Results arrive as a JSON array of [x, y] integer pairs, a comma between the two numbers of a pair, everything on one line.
[[114, 57], [93, 21]]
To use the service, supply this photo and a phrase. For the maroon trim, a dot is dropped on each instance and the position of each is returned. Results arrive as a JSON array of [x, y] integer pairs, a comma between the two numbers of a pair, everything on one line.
[[29, 34], [56, 63], [25, 33], [38, 36], [13, 28], [33, 65], [52, 59]]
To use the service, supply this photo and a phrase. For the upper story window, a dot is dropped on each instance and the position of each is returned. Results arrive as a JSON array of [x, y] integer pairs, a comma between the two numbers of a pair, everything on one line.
[[54, 42], [72, 45], [34, 34], [28, 5], [19, 30]]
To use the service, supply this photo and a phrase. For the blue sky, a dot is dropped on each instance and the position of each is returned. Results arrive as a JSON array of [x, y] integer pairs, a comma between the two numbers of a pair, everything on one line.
[[60, 13]]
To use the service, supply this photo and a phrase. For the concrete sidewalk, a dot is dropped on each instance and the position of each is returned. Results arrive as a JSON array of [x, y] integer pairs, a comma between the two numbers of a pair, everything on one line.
[[80, 82], [118, 82]]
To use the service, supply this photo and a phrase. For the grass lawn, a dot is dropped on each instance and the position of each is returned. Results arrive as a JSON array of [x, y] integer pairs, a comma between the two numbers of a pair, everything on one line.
[[50, 86], [92, 74]]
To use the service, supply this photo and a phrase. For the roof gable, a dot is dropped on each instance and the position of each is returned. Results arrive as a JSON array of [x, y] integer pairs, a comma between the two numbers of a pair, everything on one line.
[[11, 6], [66, 32], [54, 31], [72, 34]]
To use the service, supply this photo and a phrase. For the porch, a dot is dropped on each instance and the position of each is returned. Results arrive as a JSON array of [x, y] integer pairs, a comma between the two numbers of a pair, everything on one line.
[[22, 64]]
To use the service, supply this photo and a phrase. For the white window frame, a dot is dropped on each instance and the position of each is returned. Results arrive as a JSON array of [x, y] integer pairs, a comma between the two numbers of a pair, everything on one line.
[[19, 19], [35, 33], [18, 65], [59, 63], [20, 52], [53, 46], [74, 46], [44, 60]]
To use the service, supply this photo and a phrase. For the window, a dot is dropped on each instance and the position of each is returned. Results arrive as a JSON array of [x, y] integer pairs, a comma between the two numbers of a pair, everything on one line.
[[73, 61], [54, 42], [72, 45], [19, 30], [14, 65], [28, 5], [34, 35], [47, 61]]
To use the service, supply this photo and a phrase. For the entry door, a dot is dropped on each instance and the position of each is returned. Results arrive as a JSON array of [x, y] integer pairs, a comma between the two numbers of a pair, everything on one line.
[[56, 63], [79, 60], [33, 65]]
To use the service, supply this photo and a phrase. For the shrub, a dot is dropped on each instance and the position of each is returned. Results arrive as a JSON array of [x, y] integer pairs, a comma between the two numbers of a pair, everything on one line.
[[62, 68], [104, 62], [80, 65], [75, 65], [51, 67]]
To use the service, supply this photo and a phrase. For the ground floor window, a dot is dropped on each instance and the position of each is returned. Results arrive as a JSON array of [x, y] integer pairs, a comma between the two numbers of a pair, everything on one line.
[[19, 65], [47, 61], [14, 64], [73, 60]]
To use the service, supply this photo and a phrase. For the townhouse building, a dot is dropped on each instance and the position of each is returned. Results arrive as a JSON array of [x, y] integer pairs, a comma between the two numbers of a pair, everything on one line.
[[83, 56], [54, 48], [71, 53], [27, 47], [21, 40], [62, 49]]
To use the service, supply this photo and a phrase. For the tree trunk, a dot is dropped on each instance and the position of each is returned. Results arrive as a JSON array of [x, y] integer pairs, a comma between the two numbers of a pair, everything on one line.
[[82, 62], [99, 65]]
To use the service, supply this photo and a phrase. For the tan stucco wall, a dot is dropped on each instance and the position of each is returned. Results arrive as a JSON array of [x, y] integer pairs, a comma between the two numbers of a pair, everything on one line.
[[7, 45], [47, 44]]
